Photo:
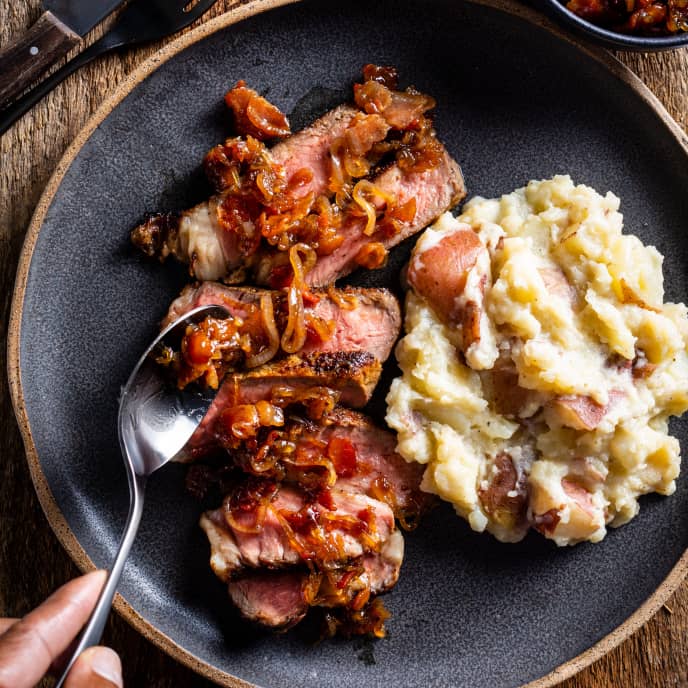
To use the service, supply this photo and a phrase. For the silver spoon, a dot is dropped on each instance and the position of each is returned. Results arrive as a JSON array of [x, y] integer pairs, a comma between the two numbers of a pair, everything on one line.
[[155, 421]]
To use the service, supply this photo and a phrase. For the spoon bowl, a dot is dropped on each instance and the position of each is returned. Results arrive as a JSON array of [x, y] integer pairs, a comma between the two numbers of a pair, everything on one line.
[[155, 421], [155, 418]]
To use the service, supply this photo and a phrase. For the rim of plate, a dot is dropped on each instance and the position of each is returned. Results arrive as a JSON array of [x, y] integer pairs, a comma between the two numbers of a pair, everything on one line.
[[52, 512]]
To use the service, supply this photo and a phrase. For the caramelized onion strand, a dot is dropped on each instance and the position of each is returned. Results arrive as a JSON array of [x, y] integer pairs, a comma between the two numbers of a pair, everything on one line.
[[268, 317]]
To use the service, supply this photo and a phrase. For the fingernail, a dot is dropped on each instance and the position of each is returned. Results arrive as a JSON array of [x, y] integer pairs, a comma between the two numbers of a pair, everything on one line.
[[106, 664]]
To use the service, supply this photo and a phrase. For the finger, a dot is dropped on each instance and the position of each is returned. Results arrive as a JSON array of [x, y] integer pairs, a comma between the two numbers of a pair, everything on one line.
[[6, 623], [29, 646], [97, 667]]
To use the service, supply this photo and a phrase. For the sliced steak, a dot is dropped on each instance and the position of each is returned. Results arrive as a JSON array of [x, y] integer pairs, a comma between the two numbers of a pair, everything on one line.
[[196, 236], [366, 325], [372, 325], [288, 527], [361, 458], [280, 599], [344, 531], [231, 236], [352, 374], [346, 453], [310, 149], [435, 191], [379, 470], [274, 599], [370, 322]]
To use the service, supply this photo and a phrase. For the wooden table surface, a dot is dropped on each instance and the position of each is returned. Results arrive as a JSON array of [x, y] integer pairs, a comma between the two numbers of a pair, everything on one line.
[[32, 562]]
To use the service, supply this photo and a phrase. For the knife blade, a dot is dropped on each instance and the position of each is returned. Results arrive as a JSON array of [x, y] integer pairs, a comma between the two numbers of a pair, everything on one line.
[[55, 32], [81, 15]]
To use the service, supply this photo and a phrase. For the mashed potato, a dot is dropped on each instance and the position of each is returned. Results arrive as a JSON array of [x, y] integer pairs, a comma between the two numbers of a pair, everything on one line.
[[540, 365]]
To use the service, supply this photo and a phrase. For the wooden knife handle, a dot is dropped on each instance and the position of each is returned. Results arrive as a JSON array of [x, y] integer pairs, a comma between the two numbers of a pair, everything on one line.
[[26, 59]]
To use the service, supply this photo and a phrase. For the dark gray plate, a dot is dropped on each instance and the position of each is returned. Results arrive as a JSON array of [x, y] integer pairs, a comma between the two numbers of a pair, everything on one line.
[[515, 102]]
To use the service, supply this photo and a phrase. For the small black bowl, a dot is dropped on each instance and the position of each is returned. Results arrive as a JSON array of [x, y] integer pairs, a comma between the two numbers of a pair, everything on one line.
[[614, 39]]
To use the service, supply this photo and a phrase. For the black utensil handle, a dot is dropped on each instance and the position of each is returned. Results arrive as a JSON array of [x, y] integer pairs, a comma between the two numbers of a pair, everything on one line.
[[27, 58], [12, 113]]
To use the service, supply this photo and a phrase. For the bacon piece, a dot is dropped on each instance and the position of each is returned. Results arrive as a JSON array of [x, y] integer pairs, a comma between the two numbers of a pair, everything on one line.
[[363, 133], [386, 75], [290, 529], [254, 115], [399, 108]]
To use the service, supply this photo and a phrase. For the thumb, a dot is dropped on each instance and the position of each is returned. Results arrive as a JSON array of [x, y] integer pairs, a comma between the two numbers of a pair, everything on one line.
[[96, 667]]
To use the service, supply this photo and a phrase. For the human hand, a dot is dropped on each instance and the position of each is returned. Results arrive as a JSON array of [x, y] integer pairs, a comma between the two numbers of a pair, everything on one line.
[[29, 647]]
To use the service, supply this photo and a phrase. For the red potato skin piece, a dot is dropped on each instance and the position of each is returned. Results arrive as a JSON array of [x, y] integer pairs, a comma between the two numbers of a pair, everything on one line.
[[582, 412], [439, 274], [547, 523], [505, 509], [470, 321], [509, 397], [556, 283], [578, 412], [579, 495], [642, 372]]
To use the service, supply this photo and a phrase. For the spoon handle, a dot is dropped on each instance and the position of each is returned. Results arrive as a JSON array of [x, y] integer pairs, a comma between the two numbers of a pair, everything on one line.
[[94, 628]]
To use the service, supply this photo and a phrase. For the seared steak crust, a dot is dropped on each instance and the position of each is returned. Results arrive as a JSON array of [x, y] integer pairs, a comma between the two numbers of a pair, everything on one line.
[[156, 236]]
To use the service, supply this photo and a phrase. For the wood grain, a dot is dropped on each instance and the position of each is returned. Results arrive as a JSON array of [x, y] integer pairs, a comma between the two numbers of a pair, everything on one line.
[[32, 563], [27, 58]]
